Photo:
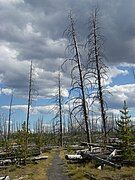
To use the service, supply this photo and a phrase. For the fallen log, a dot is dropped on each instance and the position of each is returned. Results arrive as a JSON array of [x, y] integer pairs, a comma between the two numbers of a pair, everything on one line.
[[21, 160], [38, 158], [76, 147], [112, 155], [90, 157], [73, 157], [117, 158], [99, 145], [5, 178], [96, 149], [78, 152], [4, 155], [101, 154], [5, 162]]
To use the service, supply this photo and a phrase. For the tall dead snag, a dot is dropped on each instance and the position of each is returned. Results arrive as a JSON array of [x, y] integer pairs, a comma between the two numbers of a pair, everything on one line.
[[60, 108], [26, 135], [96, 64], [29, 98], [133, 70], [78, 77], [9, 117], [70, 122]]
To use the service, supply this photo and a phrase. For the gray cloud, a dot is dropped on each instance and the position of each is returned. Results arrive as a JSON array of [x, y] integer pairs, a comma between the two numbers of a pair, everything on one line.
[[49, 19], [121, 93], [34, 31]]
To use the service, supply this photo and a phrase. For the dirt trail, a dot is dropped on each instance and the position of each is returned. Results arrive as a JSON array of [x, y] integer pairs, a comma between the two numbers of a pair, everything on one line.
[[56, 170]]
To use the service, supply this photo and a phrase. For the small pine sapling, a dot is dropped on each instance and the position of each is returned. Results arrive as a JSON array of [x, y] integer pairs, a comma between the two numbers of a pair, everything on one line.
[[125, 133]]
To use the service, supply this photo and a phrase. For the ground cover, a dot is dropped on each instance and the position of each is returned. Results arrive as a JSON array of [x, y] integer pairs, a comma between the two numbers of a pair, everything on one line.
[[30, 171], [85, 171]]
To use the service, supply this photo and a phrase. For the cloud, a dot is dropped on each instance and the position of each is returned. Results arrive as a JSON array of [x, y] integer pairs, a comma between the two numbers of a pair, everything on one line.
[[13, 71], [121, 93], [6, 91], [113, 72], [36, 32], [16, 107], [11, 2], [113, 111], [14, 74], [44, 109], [33, 30]]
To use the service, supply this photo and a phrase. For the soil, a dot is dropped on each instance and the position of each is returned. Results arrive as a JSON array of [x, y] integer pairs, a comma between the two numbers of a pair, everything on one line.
[[56, 170]]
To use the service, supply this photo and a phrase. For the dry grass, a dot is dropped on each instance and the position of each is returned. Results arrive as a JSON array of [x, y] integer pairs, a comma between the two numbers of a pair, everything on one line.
[[30, 171], [82, 171]]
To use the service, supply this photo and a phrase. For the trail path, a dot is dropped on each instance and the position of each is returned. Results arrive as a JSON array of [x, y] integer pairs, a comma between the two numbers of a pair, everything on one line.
[[56, 170]]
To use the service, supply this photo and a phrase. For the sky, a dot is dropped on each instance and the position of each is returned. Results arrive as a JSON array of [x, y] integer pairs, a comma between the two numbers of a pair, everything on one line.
[[32, 30]]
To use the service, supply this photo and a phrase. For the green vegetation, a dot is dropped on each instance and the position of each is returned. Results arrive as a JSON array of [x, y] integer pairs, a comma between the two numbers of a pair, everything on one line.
[[125, 133], [22, 150]]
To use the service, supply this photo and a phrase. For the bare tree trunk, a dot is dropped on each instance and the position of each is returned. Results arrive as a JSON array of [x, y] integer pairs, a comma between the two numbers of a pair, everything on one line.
[[13, 127], [85, 114], [60, 110], [29, 98], [9, 117], [28, 107], [99, 69], [54, 133], [70, 121], [103, 115], [133, 70]]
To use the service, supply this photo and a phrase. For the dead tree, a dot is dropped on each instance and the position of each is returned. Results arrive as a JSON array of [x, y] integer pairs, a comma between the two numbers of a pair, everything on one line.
[[60, 108], [133, 70], [96, 64], [58, 100], [78, 76], [1, 129], [29, 98], [9, 117], [70, 122], [30, 93]]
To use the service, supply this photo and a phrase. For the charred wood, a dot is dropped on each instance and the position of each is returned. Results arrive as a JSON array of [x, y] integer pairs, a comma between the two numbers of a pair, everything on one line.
[[91, 157]]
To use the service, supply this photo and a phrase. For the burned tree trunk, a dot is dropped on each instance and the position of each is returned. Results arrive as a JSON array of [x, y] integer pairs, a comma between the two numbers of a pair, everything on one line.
[[95, 62], [60, 109], [100, 160], [29, 97], [78, 80], [58, 100], [9, 117]]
